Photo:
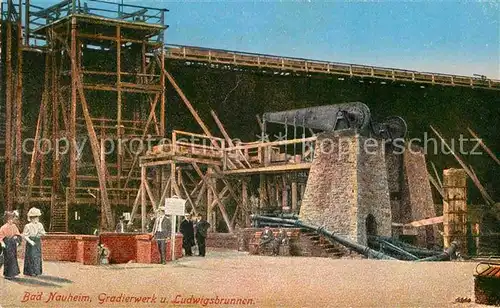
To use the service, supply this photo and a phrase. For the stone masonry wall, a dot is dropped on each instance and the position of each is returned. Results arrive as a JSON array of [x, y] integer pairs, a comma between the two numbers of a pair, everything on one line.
[[373, 189], [417, 197], [345, 185], [331, 194]]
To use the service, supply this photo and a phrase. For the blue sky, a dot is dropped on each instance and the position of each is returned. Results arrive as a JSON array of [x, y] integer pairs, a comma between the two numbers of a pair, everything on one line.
[[445, 36]]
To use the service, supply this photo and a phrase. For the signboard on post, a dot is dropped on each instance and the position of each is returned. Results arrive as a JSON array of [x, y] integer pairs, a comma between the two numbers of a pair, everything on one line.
[[174, 207]]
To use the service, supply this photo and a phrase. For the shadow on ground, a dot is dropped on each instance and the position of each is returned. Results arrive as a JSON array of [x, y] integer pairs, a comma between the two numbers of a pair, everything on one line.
[[33, 282]]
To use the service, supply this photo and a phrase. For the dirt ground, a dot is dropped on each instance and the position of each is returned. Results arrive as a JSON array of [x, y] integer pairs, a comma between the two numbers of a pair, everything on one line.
[[232, 279]]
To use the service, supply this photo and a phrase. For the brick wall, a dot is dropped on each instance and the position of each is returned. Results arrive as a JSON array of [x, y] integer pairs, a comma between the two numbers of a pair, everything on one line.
[[67, 247], [345, 185], [124, 247], [222, 240]]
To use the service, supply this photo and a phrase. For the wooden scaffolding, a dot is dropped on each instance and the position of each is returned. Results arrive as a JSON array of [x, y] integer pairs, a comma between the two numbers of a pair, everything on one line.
[[103, 85]]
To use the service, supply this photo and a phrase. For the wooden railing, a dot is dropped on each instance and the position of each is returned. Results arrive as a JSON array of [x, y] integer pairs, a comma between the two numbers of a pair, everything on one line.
[[263, 62], [197, 144], [267, 153]]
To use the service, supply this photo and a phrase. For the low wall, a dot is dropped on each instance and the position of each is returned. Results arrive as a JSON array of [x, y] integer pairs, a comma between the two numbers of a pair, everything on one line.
[[222, 240], [123, 247], [68, 247]]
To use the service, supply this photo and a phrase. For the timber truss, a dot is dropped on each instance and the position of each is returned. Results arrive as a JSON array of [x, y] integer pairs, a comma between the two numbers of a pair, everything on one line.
[[104, 83], [211, 172]]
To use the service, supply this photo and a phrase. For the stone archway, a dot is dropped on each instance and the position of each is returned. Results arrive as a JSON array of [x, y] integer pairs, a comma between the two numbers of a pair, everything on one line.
[[371, 225]]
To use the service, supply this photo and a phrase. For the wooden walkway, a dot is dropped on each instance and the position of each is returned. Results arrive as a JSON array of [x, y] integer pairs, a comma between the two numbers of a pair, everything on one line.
[[225, 59], [242, 159]]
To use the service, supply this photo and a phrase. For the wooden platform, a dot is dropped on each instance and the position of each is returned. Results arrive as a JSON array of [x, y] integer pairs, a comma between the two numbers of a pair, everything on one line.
[[226, 59]]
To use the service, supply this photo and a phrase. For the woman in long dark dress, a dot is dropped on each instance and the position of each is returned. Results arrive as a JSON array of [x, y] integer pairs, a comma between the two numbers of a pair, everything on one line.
[[32, 232], [10, 238]]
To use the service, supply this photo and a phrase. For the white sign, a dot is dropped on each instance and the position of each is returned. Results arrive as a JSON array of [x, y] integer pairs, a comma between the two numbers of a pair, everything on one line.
[[175, 206]]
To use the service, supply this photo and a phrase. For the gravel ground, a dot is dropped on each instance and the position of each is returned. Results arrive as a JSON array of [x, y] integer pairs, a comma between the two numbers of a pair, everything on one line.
[[262, 281]]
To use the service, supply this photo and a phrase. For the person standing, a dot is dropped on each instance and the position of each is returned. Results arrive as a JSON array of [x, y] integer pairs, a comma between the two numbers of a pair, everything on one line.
[[187, 230], [10, 238], [33, 231], [162, 230], [121, 227], [201, 234]]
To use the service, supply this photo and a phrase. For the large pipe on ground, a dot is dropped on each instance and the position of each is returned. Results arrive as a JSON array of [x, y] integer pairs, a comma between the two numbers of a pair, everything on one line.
[[364, 250], [446, 255]]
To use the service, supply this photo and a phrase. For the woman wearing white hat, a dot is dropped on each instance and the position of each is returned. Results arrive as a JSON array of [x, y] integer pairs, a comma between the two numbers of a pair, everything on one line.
[[32, 233]]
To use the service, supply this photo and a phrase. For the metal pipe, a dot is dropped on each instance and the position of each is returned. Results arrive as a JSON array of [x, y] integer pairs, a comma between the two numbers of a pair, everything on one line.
[[398, 250], [446, 255], [368, 252]]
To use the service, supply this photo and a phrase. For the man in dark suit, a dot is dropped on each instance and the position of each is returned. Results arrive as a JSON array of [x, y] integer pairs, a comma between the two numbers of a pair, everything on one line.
[[201, 234], [187, 230], [161, 231]]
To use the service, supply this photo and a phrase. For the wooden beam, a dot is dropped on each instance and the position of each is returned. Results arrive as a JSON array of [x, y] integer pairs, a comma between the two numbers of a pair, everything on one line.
[[135, 207], [228, 139], [436, 185], [490, 153], [150, 194], [437, 175], [483, 191], [189, 197], [136, 157], [244, 200], [269, 169], [72, 116], [214, 192], [101, 172], [34, 155], [143, 199]]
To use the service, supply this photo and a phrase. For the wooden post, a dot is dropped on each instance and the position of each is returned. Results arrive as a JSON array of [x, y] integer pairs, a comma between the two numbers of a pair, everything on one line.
[[294, 195], [119, 157], [72, 126], [244, 198], [19, 102], [163, 96], [209, 208], [8, 113], [455, 207], [143, 199], [262, 190]]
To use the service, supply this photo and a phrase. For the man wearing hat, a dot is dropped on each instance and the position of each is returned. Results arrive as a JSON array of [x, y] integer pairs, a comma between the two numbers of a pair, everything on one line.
[[122, 226], [32, 232], [187, 230], [161, 231]]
